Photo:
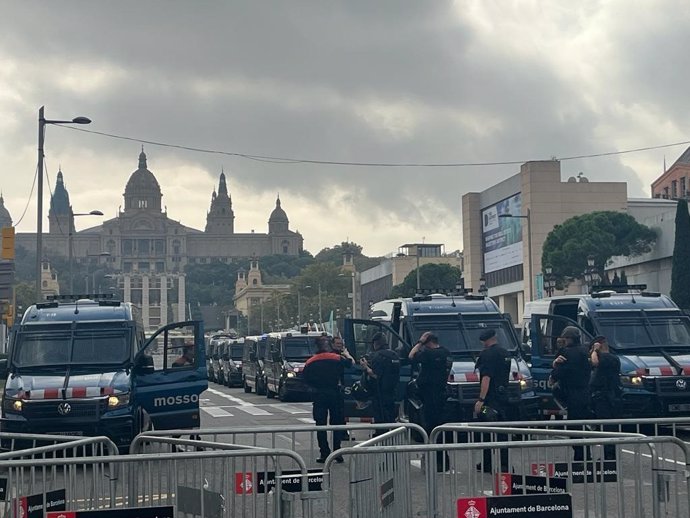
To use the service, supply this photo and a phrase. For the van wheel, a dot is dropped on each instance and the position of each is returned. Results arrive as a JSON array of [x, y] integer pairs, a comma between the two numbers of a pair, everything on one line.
[[282, 392], [260, 387], [247, 388]]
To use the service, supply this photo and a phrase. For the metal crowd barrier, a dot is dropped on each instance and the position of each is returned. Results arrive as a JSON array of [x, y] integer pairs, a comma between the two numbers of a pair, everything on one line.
[[639, 484], [298, 438], [225, 482]]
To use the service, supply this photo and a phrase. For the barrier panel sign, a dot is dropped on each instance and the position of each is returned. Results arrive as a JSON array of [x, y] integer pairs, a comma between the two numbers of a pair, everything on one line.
[[189, 502], [608, 469], [35, 506], [263, 482], [522, 506], [511, 484], [387, 492], [166, 511], [3, 489]]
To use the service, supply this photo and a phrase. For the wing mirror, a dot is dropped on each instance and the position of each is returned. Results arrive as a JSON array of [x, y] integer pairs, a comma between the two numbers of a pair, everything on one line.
[[144, 365]]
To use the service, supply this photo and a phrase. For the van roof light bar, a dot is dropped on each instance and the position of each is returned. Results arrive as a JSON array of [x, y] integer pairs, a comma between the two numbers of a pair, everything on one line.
[[618, 288], [78, 296]]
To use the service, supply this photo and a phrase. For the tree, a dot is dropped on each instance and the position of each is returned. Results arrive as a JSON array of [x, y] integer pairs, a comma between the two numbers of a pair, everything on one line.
[[602, 235], [335, 256], [435, 277], [680, 273]]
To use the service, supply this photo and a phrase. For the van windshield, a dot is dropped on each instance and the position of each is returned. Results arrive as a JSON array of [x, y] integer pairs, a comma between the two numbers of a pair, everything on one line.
[[627, 333], [459, 335], [236, 352], [261, 346], [298, 348], [83, 347]]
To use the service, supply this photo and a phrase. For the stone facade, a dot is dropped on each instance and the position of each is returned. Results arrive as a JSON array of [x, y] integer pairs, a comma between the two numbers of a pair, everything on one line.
[[148, 250]]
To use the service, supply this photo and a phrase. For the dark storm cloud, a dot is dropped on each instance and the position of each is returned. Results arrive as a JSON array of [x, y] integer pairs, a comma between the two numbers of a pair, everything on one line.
[[348, 81]]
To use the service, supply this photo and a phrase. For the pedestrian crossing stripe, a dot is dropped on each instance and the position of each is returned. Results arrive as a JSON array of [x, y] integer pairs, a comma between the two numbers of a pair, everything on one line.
[[220, 411]]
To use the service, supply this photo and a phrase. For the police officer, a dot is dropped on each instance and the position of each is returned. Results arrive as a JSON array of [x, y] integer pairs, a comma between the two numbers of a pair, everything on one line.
[[323, 373], [435, 362], [385, 372], [604, 385], [493, 365], [572, 371]]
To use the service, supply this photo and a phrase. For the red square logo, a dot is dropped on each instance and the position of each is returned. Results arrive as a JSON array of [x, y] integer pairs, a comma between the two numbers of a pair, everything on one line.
[[472, 508], [244, 484], [61, 514], [543, 469], [504, 484]]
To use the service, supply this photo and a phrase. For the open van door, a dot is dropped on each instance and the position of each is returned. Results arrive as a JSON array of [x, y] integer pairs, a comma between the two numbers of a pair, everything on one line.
[[357, 335], [544, 331], [168, 382]]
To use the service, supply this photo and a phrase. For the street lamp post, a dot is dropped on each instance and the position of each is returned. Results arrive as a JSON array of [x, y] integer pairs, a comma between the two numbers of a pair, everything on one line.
[[70, 235], [529, 247], [549, 281], [42, 121], [591, 275]]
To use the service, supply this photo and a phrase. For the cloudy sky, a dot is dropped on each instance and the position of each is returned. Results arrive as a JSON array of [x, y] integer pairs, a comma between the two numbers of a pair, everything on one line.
[[349, 81]]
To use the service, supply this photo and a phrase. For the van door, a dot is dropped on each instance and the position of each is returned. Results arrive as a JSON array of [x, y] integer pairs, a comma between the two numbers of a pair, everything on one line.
[[358, 334], [169, 375], [544, 331]]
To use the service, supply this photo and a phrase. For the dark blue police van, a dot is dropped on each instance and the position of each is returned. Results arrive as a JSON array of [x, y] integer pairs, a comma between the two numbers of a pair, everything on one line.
[[85, 367], [647, 331], [457, 320]]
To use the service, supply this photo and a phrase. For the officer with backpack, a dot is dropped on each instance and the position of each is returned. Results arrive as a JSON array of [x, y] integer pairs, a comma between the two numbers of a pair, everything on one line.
[[384, 370]]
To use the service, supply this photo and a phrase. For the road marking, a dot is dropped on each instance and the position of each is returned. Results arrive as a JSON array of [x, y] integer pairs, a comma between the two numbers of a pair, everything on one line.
[[229, 397], [253, 410], [288, 439], [290, 409], [648, 456], [215, 411], [306, 420]]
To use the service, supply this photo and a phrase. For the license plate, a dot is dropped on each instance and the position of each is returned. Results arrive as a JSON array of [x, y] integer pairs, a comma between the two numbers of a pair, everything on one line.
[[71, 434], [679, 407]]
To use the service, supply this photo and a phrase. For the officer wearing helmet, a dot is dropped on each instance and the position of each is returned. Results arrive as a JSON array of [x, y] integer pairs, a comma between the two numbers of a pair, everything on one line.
[[572, 371]]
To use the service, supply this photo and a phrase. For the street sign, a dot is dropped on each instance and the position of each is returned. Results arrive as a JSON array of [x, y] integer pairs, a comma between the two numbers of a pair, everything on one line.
[[511, 484], [35, 506], [608, 470], [263, 482], [522, 506]]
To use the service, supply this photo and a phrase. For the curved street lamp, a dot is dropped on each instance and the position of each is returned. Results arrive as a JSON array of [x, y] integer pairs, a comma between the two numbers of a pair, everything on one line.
[[42, 122]]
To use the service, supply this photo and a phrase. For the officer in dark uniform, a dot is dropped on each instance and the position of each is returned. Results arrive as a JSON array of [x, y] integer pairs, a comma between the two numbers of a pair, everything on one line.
[[605, 386], [572, 371], [436, 362], [323, 373], [385, 371], [493, 365]]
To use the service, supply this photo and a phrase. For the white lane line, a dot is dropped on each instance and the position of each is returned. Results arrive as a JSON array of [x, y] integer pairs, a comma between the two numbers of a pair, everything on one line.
[[253, 410], [229, 397], [215, 411], [306, 420], [290, 409], [288, 439], [648, 456]]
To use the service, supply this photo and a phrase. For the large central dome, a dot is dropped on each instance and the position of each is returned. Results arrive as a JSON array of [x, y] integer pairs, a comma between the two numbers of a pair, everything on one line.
[[142, 190], [142, 180]]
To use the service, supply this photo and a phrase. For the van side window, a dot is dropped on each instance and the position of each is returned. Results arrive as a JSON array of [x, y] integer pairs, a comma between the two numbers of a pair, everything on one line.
[[587, 324]]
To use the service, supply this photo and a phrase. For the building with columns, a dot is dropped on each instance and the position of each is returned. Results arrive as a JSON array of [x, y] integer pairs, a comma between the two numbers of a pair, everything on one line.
[[147, 250], [251, 293]]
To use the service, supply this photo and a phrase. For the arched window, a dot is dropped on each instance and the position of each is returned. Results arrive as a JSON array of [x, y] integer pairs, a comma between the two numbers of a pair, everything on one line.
[[254, 282]]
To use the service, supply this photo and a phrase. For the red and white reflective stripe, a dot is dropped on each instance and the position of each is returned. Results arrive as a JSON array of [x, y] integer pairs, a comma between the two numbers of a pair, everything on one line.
[[43, 394], [686, 371], [464, 376], [359, 419], [656, 371], [107, 391], [80, 392]]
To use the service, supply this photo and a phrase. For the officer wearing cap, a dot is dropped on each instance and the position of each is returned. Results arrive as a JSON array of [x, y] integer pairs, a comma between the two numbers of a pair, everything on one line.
[[493, 365], [572, 371]]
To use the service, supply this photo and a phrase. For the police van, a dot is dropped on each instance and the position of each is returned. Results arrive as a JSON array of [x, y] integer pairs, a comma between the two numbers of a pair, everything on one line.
[[457, 320], [253, 375], [286, 354], [83, 366], [647, 331]]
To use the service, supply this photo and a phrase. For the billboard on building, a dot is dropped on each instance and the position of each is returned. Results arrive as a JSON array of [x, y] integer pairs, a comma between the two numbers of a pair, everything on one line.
[[502, 237]]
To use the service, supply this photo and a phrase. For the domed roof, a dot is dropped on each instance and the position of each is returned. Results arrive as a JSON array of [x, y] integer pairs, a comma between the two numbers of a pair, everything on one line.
[[278, 215], [5, 218], [142, 180]]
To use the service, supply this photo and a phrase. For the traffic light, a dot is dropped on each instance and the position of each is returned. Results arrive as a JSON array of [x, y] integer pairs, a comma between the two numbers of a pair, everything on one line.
[[7, 243]]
